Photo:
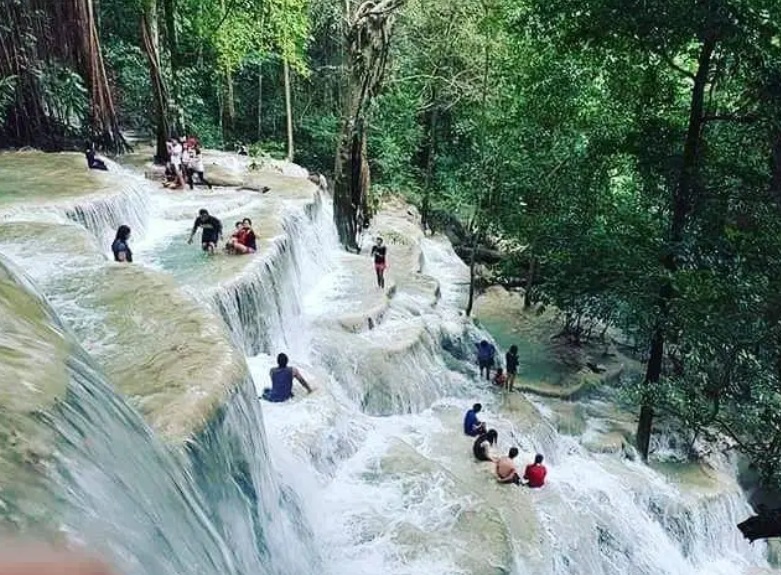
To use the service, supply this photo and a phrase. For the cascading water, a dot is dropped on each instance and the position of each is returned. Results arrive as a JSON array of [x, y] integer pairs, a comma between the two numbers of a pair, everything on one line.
[[370, 474]]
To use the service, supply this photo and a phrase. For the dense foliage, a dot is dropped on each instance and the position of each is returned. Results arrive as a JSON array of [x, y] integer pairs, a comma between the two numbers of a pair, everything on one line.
[[624, 155]]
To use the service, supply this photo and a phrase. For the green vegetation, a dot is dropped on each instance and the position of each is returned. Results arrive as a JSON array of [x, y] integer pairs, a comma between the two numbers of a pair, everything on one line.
[[621, 159]]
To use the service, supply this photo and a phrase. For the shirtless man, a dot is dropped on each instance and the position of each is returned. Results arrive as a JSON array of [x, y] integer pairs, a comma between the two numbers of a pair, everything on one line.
[[505, 468]]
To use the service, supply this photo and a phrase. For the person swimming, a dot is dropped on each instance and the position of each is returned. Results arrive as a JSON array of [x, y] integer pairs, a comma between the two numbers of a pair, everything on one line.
[[473, 426], [212, 231], [505, 468], [482, 447], [120, 248], [282, 378]]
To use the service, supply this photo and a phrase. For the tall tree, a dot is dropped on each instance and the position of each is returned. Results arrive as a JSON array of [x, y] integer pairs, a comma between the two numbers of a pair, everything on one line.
[[367, 45], [43, 45]]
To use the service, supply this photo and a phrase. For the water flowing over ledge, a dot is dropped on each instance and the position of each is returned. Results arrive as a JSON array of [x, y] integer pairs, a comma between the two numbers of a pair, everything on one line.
[[371, 472]]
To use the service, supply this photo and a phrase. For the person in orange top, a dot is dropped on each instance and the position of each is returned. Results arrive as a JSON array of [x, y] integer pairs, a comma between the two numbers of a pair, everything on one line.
[[535, 473]]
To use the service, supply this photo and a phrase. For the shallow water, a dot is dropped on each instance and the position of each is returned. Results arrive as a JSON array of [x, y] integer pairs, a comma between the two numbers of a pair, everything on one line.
[[370, 474]]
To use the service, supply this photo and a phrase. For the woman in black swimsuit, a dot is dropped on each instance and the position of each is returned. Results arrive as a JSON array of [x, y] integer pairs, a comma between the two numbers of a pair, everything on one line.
[[379, 252]]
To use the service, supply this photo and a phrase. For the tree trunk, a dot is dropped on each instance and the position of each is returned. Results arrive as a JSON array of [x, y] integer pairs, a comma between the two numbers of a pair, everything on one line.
[[260, 102], [172, 42], [34, 35], [472, 263], [288, 111], [431, 151], [367, 43], [527, 294], [228, 107], [149, 37], [681, 207]]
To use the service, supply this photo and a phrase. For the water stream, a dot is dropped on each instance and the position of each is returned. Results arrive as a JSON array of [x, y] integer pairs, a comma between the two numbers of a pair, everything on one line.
[[134, 394]]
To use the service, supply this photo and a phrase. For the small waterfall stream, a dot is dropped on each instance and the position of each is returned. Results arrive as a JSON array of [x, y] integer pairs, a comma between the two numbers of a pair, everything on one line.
[[368, 475]]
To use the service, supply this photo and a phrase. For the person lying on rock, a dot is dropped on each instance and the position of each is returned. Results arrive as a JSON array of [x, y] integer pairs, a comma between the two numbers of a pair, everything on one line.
[[473, 426], [482, 448], [282, 378], [505, 468], [212, 231]]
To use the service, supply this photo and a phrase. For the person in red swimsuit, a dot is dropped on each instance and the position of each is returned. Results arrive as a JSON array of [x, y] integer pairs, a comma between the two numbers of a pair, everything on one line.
[[535, 473], [244, 241]]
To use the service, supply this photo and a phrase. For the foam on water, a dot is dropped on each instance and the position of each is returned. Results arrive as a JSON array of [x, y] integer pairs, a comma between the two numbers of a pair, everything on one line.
[[375, 456]]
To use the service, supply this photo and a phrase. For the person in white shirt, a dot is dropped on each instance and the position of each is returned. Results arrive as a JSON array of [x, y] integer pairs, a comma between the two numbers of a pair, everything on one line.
[[196, 167], [176, 162]]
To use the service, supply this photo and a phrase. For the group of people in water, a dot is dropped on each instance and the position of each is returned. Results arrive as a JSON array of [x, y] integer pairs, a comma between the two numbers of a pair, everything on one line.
[[486, 358], [241, 242], [484, 449]]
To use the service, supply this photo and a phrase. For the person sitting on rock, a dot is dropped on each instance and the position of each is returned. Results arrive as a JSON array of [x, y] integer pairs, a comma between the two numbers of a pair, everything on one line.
[[505, 468], [243, 241], [282, 378], [482, 448], [473, 426], [94, 163], [485, 357], [534, 475], [500, 379]]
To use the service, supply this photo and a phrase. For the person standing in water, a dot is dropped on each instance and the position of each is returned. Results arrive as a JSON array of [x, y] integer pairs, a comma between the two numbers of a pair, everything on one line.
[[379, 253], [485, 358], [511, 360], [196, 168], [212, 231], [282, 378], [120, 248]]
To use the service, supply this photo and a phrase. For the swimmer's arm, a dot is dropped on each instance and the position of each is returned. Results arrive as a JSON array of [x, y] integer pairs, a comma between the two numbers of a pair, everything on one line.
[[302, 381], [195, 229]]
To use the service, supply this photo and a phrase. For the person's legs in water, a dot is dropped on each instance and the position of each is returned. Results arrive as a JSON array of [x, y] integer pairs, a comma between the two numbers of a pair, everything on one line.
[[510, 381], [208, 247], [241, 249], [203, 180], [380, 269]]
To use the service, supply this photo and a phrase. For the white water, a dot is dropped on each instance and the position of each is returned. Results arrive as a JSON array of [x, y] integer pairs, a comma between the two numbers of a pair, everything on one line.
[[375, 457]]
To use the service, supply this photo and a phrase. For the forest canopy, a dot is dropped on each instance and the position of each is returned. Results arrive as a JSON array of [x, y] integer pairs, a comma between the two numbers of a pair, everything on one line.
[[619, 159]]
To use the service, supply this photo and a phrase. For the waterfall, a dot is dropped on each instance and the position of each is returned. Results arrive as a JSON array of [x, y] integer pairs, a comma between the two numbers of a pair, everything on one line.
[[370, 474]]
